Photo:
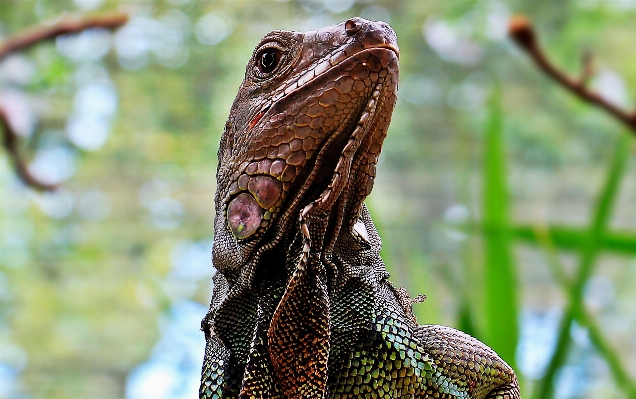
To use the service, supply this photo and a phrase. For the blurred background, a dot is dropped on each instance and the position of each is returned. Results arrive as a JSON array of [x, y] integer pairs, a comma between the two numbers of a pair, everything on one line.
[[503, 198]]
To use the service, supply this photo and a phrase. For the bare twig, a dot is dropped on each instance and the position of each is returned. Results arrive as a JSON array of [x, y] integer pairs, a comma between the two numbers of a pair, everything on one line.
[[522, 32], [10, 143], [36, 35], [23, 41]]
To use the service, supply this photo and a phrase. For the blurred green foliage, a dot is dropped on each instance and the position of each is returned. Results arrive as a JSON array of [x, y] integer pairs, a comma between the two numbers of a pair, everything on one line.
[[491, 178]]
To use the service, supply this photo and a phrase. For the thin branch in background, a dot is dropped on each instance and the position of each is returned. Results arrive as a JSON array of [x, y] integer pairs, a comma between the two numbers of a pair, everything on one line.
[[522, 32], [10, 142], [39, 34], [25, 40]]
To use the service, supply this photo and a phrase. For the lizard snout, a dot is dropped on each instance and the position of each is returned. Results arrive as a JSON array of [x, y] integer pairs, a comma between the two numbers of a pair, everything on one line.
[[372, 34]]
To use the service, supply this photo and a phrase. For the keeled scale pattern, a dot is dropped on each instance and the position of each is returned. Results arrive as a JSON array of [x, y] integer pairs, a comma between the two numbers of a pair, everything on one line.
[[400, 360]]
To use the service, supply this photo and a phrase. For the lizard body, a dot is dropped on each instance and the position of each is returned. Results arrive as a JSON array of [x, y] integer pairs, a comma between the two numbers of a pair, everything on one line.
[[302, 306]]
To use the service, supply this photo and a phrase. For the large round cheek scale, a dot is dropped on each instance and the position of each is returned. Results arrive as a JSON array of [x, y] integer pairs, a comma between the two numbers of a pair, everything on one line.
[[266, 190], [244, 216]]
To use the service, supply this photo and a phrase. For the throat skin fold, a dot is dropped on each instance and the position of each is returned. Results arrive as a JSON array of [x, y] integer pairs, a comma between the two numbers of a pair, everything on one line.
[[302, 306]]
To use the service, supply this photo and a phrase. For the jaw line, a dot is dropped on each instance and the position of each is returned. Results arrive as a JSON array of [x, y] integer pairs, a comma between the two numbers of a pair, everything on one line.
[[345, 168], [388, 47]]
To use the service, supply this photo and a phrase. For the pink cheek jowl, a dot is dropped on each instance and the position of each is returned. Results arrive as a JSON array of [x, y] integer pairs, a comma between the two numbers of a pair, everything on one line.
[[244, 216]]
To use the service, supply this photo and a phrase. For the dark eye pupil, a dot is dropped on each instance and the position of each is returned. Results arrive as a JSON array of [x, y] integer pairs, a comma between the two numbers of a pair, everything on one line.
[[268, 61]]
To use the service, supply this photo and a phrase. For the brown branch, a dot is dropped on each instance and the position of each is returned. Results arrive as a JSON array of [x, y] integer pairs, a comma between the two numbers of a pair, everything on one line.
[[32, 36], [522, 32], [10, 143], [23, 41]]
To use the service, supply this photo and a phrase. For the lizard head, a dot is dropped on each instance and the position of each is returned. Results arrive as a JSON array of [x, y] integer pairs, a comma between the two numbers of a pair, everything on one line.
[[303, 136]]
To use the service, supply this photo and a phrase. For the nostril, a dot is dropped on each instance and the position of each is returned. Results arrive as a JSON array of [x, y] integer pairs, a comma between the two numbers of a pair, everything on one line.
[[352, 27]]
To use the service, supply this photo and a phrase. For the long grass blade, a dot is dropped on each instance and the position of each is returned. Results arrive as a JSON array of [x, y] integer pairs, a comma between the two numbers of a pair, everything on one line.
[[589, 253], [500, 279], [585, 319], [572, 238]]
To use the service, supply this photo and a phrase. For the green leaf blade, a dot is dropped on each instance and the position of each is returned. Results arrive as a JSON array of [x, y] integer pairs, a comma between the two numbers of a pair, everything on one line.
[[500, 275]]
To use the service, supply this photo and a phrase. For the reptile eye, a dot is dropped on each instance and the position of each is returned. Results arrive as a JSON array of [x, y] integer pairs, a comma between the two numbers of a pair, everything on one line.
[[268, 60]]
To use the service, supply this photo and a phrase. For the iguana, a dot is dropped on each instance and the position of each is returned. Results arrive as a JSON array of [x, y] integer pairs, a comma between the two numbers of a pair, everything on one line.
[[302, 306]]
